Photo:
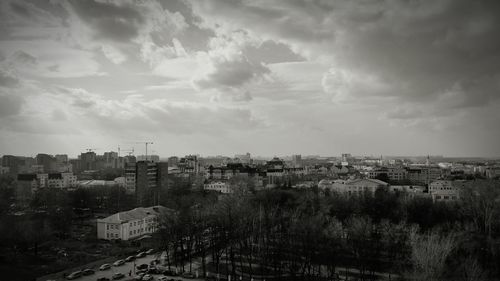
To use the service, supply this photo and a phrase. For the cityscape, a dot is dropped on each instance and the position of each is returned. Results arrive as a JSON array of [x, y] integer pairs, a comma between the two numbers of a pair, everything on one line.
[[249, 140]]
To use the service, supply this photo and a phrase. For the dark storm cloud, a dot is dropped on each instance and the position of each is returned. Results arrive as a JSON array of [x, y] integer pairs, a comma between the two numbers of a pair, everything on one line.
[[415, 51], [119, 22], [19, 9]]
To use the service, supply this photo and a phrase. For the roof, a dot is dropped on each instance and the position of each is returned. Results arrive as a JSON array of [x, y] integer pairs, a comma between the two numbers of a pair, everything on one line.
[[135, 214], [55, 176], [26, 177], [379, 182]]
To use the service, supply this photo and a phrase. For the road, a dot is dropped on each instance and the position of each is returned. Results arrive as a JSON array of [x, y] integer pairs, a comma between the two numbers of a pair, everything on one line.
[[125, 269]]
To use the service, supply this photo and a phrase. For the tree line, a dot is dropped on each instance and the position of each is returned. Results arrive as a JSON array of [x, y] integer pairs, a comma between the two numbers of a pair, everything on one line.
[[285, 234]]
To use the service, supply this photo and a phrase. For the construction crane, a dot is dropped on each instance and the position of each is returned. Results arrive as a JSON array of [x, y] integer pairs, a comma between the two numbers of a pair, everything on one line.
[[146, 144], [129, 151]]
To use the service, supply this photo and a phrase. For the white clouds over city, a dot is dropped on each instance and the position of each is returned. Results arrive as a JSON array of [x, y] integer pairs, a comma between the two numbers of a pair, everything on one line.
[[268, 77]]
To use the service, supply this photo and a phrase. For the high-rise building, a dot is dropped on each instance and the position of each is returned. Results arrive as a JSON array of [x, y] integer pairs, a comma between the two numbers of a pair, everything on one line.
[[47, 161], [297, 160], [12, 162], [150, 179], [88, 161]]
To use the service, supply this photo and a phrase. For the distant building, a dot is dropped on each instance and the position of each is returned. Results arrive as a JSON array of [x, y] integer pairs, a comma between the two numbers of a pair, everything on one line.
[[297, 160], [243, 158], [219, 186], [47, 161], [352, 187], [88, 161], [423, 174], [26, 184], [131, 224], [445, 190], [12, 162], [149, 178], [392, 173]]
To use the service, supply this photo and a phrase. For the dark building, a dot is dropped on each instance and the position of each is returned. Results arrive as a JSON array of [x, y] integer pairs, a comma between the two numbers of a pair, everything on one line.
[[150, 177], [47, 161], [12, 162], [88, 161]]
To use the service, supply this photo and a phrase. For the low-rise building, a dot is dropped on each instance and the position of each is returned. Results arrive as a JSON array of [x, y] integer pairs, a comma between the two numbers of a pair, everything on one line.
[[445, 190], [130, 224], [219, 186]]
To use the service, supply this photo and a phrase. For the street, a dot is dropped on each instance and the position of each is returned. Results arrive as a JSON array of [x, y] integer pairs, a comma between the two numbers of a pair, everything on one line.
[[126, 268]]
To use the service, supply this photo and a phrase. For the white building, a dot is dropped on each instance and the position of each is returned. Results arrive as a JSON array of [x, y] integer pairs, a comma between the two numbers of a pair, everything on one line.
[[352, 187], [445, 190], [219, 186], [130, 224]]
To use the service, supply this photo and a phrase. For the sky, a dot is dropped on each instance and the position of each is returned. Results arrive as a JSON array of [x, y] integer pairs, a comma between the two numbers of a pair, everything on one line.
[[269, 77]]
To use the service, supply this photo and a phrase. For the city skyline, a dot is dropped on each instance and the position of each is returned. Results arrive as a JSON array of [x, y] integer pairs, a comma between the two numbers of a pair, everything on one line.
[[269, 78]]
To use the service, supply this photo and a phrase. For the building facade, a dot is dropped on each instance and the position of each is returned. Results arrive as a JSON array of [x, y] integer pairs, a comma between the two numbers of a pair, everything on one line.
[[130, 224]]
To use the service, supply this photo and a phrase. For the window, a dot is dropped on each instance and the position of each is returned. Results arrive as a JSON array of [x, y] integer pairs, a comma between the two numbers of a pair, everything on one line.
[[130, 224], [107, 226], [130, 233]]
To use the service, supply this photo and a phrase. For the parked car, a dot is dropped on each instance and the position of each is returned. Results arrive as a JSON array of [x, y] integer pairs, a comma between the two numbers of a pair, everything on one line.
[[142, 266], [162, 278], [119, 262], [147, 277], [140, 255], [74, 275], [118, 275], [150, 251], [105, 266], [188, 275], [130, 258], [88, 271], [169, 273], [103, 279]]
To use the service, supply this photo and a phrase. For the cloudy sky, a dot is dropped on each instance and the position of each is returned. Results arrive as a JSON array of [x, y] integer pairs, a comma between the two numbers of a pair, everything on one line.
[[277, 77]]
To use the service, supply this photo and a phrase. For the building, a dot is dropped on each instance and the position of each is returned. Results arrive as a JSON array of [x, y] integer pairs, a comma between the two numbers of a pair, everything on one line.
[[423, 174], [352, 187], [296, 160], [47, 161], [218, 186], [12, 162], [392, 173], [445, 190], [150, 177], [131, 224], [26, 184], [88, 161]]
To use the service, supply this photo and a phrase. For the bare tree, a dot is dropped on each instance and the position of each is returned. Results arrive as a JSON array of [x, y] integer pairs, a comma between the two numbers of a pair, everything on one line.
[[429, 254]]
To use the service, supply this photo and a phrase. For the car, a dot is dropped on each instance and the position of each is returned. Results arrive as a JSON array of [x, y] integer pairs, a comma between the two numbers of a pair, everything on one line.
[[153, 270], [162, 278], [140, 255], [168, 272], [142, 266], [150, 251], [74, 275], [118, 275], [103, 279], [188, 275], [141, 272], [105, 266], [147, 277], [130, 258], [88, 271], [119, 262]]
